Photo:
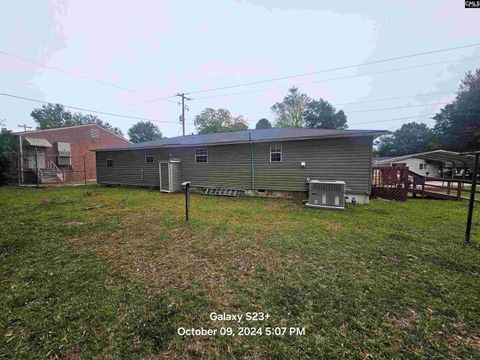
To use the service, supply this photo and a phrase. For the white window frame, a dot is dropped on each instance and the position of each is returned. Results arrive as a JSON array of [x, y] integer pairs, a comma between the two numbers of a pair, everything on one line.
[[149, 154], [277, 146], [108, 156], [201, 155]]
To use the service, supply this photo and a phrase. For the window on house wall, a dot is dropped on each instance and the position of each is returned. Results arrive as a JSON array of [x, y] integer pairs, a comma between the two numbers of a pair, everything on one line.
[[149, 157], [94, 133], [276, 153], [109, 158], [201, 155]]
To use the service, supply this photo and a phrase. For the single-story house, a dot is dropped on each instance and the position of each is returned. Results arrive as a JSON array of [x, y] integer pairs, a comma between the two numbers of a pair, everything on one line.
[[260, 162], [63, 154], [431, 163]]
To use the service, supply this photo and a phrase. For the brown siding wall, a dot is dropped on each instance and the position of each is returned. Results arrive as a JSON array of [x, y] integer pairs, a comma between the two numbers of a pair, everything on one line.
[[346, 159], [229, 166]]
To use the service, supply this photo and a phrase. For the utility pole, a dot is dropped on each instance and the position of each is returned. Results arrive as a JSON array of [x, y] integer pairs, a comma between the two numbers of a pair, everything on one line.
[[24, 126], [182, 95]]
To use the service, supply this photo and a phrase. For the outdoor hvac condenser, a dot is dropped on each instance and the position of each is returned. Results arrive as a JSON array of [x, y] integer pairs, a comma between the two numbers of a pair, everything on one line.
[[326, 194]]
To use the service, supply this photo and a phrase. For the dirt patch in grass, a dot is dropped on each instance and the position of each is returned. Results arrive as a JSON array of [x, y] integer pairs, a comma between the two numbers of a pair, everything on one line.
[[173, 255], [408, 319], [331, 225]]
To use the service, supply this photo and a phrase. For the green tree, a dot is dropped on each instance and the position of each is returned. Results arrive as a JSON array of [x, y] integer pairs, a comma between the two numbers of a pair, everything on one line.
[[144, 131], [457, 125], [52, 116], [322, 114], [211, 121], [411, 138], [263, 124], [290, 112], [55, 116], [8, 152]]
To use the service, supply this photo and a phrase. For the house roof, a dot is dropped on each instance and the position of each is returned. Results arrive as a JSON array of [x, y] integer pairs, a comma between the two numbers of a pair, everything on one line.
[[447, 157], [38, 142], [68, 127], [248, 136]]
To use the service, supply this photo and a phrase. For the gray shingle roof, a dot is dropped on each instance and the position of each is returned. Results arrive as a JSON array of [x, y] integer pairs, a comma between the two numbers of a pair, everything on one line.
[[246, 136]]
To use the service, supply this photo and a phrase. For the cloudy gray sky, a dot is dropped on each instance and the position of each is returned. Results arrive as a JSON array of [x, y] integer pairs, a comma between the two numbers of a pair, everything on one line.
[[159, 48]]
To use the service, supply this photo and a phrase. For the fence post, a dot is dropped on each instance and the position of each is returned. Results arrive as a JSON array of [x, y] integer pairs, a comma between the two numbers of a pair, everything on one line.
[[36, 168], [85, 168], [472, 200], [17, 165]]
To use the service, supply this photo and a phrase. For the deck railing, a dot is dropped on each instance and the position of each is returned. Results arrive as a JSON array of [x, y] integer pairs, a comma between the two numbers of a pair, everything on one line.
[[390, 182]]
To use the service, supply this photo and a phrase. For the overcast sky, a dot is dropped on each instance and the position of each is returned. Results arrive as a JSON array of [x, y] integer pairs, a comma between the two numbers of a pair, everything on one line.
[[159, 48]]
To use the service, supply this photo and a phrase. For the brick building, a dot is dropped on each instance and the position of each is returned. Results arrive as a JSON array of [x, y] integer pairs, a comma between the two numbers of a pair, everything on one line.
[[63, 154]]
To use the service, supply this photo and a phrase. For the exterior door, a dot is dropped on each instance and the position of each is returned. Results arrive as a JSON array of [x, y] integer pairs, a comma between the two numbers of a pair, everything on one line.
[[164, 176], [40, 159]]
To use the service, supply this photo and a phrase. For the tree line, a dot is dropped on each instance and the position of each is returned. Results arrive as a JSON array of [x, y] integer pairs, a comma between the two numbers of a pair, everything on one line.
[[457, 126], [296, 110]]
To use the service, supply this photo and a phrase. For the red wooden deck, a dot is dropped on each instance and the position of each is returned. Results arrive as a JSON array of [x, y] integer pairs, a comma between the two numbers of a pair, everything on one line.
[[395, 183]]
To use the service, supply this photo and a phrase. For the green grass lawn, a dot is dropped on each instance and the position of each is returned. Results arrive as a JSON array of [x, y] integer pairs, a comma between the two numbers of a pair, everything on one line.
[[92, 272]]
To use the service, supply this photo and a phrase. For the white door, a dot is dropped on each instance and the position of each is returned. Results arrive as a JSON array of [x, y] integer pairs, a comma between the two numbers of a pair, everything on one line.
[[40, 159]]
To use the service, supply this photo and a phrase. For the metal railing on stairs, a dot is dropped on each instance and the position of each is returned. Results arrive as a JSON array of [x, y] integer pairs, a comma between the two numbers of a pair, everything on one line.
[[52, 166]]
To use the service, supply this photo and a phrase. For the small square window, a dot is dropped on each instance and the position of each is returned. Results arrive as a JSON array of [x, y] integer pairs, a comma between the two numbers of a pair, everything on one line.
[[276, 153], [201, 155], [109, 158], [149, 157]]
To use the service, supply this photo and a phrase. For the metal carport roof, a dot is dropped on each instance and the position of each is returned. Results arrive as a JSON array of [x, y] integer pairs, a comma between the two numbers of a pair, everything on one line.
[[449, 158]]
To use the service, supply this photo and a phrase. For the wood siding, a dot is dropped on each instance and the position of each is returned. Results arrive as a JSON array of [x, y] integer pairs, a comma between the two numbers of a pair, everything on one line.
[[229, 166]]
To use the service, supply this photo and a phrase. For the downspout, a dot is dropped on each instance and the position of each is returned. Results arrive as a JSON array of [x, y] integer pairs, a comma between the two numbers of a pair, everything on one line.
[[252, 160]]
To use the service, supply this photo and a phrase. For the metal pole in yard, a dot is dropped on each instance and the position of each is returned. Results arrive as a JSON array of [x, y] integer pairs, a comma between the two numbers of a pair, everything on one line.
[[85, 168], [472, 200], [187, 200], [36, 168]]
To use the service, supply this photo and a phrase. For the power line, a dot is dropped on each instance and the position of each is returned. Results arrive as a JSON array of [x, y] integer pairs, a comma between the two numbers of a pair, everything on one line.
[[335, 79], [333, 69], [393, 119], [378, 100], [166, 98], [395, 98], [396, 107], [88, 110]]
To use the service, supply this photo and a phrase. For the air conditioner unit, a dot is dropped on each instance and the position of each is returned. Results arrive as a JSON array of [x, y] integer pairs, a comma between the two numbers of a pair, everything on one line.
[[326, 194]]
